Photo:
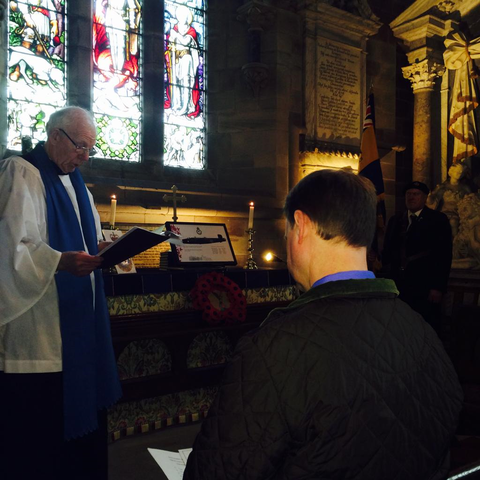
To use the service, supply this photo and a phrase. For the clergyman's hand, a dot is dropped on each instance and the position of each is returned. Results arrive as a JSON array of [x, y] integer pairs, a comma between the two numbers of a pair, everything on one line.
[[102, 245], [79, 263]]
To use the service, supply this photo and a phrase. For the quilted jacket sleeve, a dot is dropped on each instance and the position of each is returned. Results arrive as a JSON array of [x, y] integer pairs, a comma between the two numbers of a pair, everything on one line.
[[244, 434]]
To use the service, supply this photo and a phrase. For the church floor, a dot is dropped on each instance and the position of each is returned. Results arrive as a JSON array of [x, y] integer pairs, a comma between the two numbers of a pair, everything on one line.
[[129, 459]]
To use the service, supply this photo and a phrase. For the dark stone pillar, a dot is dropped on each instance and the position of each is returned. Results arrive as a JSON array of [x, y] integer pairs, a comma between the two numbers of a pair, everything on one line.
[[152, 88], [79, 54]]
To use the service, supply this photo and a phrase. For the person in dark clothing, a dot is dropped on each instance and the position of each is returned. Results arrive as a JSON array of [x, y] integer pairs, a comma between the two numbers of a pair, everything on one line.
[[417, 254], [347, 382]]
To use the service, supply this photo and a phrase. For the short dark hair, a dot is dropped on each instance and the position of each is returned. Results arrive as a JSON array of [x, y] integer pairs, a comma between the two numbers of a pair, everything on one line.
[[342, 205]]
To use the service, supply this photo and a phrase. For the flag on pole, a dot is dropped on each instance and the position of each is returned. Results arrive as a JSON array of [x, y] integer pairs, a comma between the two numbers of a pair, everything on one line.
[[369, 165]]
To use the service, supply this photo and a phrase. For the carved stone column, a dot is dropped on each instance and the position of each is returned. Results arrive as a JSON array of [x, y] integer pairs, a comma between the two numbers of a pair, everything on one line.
[[258, 16], [422, 38], [422, 75], [3, 75]]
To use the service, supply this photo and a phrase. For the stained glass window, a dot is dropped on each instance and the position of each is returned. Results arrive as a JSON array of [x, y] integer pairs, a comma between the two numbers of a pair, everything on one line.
[[184, 122], [116, 78], [36, 67], [37, 81]]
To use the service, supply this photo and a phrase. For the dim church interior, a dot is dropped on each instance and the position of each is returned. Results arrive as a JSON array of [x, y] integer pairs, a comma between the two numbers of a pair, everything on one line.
[[280, 92]]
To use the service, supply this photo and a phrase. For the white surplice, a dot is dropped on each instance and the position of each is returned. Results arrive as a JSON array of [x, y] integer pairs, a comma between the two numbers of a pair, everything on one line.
[[30, 340]]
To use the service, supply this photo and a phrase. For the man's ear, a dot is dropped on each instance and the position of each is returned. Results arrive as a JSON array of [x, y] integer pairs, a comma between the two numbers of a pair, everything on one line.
[[302, 225], [54, 136]]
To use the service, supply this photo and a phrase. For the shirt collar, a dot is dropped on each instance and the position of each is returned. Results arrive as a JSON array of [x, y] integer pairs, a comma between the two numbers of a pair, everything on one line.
[[417, 213], [348, 275]]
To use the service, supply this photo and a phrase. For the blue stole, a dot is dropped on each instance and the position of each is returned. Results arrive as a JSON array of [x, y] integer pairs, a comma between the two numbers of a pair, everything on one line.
[[90, 377]]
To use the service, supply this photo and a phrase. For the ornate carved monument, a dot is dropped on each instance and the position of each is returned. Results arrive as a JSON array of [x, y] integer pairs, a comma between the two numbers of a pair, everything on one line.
[[335, 75], [466, 244], [446, 196], [454, 196], [335, 89]]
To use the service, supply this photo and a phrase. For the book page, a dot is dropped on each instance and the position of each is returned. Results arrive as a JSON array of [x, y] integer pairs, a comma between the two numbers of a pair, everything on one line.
[[170, 462], [131, 243], [127, 266], [111, 235]]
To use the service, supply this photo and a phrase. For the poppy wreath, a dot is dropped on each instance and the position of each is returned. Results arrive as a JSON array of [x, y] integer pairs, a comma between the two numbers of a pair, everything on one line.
[[220, 299]]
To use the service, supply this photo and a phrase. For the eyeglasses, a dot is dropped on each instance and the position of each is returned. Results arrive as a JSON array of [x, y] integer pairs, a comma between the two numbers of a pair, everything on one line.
[[91, 151]]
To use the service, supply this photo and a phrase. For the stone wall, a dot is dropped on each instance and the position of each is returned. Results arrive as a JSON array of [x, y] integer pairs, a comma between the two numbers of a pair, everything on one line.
[[255, 119]]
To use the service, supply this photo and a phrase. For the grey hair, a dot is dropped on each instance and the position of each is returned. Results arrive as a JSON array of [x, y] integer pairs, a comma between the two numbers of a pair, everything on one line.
[[69, 116]]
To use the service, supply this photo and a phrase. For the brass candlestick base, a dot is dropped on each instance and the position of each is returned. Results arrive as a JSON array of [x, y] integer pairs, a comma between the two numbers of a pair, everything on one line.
[[251, 264]]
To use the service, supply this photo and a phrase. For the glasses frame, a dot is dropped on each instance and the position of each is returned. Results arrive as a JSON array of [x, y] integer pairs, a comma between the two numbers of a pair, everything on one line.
[[91, 151]]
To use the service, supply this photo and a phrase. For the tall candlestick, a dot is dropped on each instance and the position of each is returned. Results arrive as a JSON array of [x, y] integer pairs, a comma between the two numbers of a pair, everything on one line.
[[251, 264], [250, 215], [113, 210]]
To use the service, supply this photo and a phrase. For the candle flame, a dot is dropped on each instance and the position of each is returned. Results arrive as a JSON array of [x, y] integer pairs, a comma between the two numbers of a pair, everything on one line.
[[113, 197], [251, 204]]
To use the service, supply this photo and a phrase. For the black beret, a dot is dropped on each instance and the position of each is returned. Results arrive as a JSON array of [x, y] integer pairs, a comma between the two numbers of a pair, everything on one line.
[[419, 186]]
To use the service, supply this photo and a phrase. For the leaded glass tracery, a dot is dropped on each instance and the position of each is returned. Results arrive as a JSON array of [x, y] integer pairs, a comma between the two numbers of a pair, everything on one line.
[[184, 121], [37, 80], [36, 67], [116, 78]]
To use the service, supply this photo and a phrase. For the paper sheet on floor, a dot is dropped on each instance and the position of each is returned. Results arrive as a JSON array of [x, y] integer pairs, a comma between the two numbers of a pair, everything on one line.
[[172, 463]]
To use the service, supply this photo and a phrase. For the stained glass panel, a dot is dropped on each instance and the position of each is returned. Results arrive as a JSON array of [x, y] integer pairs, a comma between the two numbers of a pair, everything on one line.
[[116, 78], [184, 96], [36, 67]]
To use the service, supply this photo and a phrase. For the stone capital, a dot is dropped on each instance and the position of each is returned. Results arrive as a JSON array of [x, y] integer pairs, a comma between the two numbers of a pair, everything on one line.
[[448, 6], [257, 14], [427, 31], [422, 74]]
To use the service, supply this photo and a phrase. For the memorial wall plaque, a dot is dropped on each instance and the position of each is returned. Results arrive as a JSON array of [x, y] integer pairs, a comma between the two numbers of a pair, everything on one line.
[[338, 85]]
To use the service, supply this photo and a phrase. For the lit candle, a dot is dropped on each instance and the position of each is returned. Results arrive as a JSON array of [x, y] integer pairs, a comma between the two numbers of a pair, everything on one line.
[[113, 210], [250, 215]]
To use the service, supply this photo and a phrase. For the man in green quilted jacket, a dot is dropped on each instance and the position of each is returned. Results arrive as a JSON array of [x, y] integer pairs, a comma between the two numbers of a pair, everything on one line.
[[347, 382]]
